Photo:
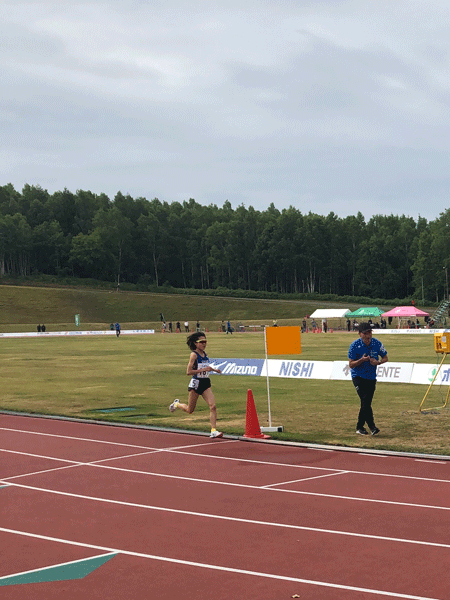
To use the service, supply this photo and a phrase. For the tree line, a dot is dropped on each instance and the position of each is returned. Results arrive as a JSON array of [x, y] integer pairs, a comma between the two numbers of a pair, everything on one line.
[[188, 245]]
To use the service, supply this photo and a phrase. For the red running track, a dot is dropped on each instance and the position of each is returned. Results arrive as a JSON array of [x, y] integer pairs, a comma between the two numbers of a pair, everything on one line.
[[187, 517]]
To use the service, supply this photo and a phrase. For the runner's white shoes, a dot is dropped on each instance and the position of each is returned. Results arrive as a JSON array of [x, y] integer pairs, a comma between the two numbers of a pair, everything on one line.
[[173, 407], [216, 434]]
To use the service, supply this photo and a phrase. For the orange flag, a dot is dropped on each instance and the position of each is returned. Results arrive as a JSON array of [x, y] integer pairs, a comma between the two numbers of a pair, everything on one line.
[[283, 340]]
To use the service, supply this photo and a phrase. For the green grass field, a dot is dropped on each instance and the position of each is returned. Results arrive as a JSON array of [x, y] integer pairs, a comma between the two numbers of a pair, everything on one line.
[[80, 377]]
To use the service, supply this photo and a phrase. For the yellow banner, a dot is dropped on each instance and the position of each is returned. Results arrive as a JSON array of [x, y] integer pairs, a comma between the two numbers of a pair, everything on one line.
[[283, 340]]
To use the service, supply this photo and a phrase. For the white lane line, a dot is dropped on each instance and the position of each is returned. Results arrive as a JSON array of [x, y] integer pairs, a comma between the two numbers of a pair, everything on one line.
[[220, 567], [94, 441], [230, 519], [6, 479], [66, 460], [238, 485], [178, 450], [71, 464], [270, 485]]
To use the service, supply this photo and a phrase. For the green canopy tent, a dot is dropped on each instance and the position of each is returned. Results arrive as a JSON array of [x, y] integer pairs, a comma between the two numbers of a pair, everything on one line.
[[366, 311]]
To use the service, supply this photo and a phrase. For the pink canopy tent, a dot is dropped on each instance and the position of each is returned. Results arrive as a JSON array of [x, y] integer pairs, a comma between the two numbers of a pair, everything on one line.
[[405, 311]]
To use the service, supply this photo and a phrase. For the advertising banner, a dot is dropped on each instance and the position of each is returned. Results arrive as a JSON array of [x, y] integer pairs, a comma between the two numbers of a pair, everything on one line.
[[424, 374], [239, 366], [300, 369], [388, 372]]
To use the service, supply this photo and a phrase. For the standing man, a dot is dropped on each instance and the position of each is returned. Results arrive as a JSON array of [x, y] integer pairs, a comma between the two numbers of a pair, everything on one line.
[[364, 359]]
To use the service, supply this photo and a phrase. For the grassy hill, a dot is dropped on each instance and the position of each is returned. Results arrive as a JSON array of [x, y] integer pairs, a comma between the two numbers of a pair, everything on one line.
[[22, 308]]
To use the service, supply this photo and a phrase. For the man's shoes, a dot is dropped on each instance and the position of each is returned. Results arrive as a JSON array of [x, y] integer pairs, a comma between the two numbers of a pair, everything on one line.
[[216, 434], [174, 405], [362, 431], [374, 431]]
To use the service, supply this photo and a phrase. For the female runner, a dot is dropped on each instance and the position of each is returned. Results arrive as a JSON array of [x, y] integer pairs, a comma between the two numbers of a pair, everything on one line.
[[200, 385]]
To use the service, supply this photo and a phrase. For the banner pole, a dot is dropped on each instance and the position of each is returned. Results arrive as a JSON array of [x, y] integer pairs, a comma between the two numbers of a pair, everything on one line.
[[267, 377]]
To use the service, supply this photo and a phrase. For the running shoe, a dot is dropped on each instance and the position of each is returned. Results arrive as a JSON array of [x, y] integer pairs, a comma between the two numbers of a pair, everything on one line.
[[362, 431], [216, 434], [374, 431], [174, 405]]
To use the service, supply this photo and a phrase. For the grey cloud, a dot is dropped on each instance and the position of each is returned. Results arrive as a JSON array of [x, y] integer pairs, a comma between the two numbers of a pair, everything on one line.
[[337, 106]]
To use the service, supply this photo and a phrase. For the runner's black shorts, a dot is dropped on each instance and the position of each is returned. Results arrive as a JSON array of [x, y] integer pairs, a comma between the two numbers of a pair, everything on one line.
[[199, 385]]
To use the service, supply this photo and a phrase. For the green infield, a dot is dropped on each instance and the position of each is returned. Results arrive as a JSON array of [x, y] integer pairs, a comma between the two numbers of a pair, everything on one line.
[[133, 379]]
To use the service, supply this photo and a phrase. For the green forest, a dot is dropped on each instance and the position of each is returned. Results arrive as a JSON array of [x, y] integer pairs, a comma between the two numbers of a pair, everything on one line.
[[187, 245]]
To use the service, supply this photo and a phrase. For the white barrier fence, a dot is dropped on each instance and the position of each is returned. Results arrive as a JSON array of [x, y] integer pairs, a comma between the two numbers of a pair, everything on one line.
[[408, 331], [74, 333]]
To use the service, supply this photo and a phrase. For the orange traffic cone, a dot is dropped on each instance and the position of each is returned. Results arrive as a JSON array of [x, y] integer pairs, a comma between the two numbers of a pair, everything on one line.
[[252, 428]]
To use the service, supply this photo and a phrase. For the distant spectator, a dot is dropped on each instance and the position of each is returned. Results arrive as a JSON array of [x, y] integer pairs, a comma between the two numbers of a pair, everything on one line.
[[170, 326], [229, 328], [178, 327], [43, 328], [186, 326], [117, 328], [39, 328], [198, 326]]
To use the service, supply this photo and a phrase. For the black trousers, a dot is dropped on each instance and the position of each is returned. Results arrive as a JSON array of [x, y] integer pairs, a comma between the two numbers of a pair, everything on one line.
[[365, 389]]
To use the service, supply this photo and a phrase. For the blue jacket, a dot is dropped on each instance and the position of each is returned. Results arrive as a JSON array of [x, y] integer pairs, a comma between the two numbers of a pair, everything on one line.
[[357, 350]]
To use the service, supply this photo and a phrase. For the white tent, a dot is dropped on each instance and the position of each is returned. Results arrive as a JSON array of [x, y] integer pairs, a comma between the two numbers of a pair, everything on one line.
[[330, 313]]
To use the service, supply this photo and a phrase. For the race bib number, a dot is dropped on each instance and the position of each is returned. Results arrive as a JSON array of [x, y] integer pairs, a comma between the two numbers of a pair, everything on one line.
[[194, 383], [203, 374]]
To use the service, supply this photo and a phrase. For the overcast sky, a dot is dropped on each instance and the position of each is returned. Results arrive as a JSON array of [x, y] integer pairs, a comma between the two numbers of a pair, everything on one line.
[[334, 105]]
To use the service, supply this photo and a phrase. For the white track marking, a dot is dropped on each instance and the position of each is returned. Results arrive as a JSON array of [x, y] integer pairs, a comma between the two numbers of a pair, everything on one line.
[[55, 566], [75, 462], [239, 485], [242, 485], [219, 567], [64, 467], [177, 450], [94, 441], [264, 487], [226, 518], [375, 455]]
